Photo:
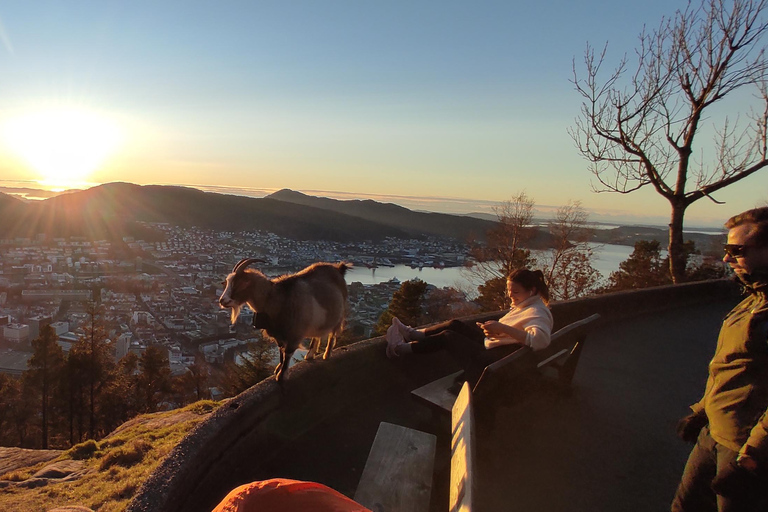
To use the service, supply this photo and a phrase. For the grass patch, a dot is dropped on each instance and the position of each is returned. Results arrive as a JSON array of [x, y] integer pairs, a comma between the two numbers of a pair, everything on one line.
[[127, 455], [84, 450], [118, 464], [203, 407], [17, 476]]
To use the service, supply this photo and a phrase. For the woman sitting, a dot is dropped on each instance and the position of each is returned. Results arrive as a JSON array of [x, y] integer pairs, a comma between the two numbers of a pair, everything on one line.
[[528, 323]]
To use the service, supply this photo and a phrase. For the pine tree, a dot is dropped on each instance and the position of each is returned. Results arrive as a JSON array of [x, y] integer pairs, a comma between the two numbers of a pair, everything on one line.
[[645, 267], [155, 377], [406, 304], [98, 364], [44, 372], [255, 365], [493, 295], [10, 390]]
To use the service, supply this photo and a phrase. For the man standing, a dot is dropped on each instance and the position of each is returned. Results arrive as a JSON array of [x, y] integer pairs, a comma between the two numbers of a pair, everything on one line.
[[727, 470]]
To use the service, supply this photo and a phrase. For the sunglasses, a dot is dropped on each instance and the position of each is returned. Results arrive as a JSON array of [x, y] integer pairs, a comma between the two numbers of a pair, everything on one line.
[[735, 250]]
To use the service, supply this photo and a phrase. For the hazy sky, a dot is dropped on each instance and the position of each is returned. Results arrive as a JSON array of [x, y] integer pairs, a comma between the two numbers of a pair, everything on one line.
[[440, 99]]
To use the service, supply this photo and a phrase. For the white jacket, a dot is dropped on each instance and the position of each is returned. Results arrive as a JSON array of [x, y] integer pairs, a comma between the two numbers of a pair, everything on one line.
[[531, 316]]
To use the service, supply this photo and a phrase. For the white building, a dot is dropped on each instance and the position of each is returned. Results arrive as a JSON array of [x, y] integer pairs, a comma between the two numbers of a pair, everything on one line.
[[16, 333], [123, 345], [60, 327]]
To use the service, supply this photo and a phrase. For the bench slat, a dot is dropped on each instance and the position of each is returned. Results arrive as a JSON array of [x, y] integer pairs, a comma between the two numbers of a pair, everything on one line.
[[462, 453], [436, 392], [398, 473]]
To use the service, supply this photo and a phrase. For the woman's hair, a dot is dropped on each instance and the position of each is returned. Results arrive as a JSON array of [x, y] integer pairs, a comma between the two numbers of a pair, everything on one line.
[[530, 279]]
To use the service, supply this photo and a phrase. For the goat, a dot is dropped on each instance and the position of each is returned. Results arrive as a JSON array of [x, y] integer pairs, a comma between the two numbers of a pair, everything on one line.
[[290, 308]]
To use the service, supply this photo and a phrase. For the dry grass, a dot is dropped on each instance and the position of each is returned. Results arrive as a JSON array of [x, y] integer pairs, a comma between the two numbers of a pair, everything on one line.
[[117, 465]]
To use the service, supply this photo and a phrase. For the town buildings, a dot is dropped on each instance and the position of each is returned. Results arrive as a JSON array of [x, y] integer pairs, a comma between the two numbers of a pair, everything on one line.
[[163, 289]]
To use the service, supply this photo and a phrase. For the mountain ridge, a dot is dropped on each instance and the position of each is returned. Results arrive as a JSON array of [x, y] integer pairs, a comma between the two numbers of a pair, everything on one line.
[[113, 210]]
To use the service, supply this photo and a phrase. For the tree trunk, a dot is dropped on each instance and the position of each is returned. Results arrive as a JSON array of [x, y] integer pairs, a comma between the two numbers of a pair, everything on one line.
[[44, 432], [677, 259]]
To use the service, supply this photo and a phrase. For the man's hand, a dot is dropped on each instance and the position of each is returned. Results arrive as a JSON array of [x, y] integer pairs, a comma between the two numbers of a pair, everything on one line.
[[689, 427], [735, 480]]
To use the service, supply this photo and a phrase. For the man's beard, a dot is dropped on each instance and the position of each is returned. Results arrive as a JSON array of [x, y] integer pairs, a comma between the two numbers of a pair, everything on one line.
[[755, 280]]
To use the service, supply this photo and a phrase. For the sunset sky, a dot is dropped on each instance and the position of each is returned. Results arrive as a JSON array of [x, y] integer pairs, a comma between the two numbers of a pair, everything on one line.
[[451, 105]]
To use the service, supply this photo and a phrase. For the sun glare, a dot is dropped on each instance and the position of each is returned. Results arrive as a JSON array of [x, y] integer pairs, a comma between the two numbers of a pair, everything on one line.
[[63, 146]]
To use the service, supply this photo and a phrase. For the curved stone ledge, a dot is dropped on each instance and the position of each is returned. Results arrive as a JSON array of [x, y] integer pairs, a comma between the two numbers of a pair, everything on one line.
[[321, 426]]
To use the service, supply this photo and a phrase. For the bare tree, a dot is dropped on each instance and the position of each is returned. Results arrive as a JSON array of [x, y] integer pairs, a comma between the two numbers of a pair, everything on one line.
[[504, 249], [637, 127], [568, 264]]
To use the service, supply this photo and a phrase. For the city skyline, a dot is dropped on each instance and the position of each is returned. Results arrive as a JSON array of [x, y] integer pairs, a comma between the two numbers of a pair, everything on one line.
[[439, 106]]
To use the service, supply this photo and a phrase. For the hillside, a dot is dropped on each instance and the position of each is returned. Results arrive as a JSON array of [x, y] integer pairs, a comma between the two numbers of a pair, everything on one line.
[[101, 475], [398, 217], [628, 235], [112, 210]]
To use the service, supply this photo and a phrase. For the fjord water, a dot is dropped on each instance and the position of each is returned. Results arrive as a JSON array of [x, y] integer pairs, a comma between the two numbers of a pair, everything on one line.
[[607, 259]]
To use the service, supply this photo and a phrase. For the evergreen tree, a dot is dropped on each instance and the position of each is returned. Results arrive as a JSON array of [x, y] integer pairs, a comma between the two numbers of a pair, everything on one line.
[[10, 390], [120, 398], [155, 377], [255, 365], [443, 304], [193, 385], [645, 267], [406, 304], [493, 295], [44, 372], [98, 364], [25, 410]]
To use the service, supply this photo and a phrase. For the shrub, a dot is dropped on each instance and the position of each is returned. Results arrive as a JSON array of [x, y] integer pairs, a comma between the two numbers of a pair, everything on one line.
[[203, 406], [82, 451], [127, 455]]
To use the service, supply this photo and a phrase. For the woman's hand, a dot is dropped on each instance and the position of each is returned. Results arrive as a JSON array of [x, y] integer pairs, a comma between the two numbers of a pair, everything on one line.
[[492, 328]]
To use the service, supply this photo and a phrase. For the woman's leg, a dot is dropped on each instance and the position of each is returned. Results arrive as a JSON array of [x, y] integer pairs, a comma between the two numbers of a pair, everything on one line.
[[466, 329], [461, 342]]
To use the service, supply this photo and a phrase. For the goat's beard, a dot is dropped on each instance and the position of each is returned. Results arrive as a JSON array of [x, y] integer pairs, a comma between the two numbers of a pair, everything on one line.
[[235, 312]]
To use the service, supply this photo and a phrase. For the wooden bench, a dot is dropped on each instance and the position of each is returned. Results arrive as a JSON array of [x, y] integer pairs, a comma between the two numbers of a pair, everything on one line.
[[398, 473], [463, 495], [561, 358]]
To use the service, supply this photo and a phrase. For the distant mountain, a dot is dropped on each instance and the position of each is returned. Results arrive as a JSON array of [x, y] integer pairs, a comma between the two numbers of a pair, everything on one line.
[[411, 222], [112, 210]]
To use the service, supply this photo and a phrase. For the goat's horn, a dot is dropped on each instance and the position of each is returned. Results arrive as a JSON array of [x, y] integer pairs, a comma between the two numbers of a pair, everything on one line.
[[242, 264]]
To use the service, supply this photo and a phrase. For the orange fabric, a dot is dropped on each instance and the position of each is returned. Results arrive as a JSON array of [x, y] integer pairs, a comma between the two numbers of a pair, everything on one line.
[[284, 495]]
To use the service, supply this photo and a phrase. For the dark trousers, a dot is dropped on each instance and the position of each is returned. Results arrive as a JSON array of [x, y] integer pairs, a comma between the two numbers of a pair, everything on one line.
[[465, 342], [695, 494]]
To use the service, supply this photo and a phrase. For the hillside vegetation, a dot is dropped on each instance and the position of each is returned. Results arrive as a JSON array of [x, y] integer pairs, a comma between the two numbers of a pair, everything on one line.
[[102, 475]]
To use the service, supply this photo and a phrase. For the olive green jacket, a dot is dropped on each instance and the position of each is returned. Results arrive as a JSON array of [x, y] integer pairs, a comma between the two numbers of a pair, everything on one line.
[[736, 396]]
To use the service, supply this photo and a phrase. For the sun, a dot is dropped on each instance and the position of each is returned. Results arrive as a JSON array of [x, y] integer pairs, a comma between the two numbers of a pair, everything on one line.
[[63, 146]]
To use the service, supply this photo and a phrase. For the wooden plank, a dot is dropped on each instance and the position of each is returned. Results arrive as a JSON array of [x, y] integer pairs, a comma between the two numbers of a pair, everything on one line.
[[462, 453], [398, 474], [436, 392], [561, 356]]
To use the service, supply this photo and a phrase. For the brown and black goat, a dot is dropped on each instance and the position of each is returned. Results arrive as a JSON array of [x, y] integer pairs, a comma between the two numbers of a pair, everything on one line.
[[291, 308]]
